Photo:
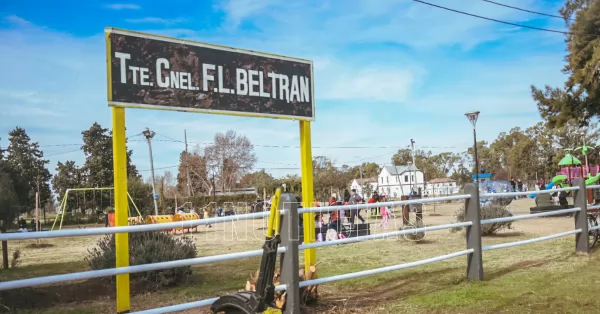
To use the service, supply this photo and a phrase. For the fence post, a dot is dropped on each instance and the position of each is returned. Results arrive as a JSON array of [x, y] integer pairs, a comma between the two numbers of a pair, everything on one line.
[[580, 200], [473, 214], [290, 261]]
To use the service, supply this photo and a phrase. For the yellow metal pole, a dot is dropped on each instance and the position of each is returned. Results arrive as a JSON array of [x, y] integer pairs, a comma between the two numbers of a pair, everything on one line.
[[121, 207], [306, 161], [60, 208], [63, 210]]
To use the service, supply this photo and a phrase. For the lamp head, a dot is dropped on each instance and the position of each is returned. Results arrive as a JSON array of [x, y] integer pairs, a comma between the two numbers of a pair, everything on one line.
[[472, 116]]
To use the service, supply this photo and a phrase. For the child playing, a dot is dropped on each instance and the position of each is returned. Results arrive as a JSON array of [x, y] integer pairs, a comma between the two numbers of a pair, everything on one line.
[[206, 216], [385, 215]]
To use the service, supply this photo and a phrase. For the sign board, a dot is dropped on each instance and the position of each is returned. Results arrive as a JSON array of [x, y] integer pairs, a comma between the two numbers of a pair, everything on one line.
[[153, 72]]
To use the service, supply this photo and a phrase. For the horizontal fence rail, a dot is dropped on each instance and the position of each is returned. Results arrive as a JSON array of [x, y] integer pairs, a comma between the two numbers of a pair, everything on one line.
[[127, 229], [529, 241], [383, 269], [529, 216], [38, 281], [383, 235], [381, 204], [510, 194], [593, 207]]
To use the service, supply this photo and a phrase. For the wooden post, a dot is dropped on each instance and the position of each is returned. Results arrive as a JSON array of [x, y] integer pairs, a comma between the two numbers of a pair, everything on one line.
[[37, 215], [290, 261], [473, 214], [580, 200]]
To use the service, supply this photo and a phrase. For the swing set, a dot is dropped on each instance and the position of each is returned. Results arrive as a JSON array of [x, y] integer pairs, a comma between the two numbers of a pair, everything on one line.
[[63, 203]]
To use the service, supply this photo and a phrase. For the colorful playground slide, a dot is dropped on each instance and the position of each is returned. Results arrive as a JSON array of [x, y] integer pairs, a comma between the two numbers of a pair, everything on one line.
[[558, 180]]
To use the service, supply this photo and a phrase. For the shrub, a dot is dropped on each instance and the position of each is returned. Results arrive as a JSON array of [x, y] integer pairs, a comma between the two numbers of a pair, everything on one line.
[[487, 212], [146, 248]]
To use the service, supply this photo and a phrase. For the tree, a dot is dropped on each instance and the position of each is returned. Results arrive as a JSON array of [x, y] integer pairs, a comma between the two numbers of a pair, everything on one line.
[[166, 188], [579, 98], [141, 193], [9, 200], [68, 176], [26, 161], [195, 163], [98, 150], [259, 180], [369, 170], [228, 158], [433, 166]]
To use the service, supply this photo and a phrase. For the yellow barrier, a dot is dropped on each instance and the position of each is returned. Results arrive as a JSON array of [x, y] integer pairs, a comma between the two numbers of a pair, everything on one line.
[[184, 217], [160, 219], [135, 220]]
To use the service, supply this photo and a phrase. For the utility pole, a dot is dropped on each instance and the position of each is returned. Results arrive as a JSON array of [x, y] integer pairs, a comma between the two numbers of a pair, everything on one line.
[[412, 148], [187, 165], [149, 135], [214, 191]]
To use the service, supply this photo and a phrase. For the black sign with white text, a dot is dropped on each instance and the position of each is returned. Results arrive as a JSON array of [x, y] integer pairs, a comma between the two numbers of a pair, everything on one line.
[[172, 74]]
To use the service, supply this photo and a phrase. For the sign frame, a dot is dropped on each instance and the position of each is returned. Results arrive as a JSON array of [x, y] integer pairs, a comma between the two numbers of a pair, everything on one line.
[[109, 30], [123, 295]]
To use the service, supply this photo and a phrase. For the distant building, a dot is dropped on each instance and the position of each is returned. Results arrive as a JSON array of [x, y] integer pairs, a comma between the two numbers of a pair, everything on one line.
[[396, 181], [237, 191], [441, 187], [364, 186]]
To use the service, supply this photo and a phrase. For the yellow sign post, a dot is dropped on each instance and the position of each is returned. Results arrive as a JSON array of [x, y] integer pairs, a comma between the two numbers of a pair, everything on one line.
[[153, 72]]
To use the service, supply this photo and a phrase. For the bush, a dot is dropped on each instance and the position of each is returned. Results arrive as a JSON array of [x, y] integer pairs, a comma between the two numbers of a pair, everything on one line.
[[146, 248], [487, 212]]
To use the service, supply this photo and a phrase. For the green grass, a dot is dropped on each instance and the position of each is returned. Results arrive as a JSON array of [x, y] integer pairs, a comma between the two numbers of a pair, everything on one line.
[[544, 277]]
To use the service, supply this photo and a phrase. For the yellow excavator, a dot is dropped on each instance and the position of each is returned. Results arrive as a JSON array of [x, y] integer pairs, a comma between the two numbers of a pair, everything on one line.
[[263, 299]]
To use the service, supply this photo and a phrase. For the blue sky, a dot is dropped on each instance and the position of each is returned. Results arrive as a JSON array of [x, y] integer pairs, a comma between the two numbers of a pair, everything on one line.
[[385, 71]]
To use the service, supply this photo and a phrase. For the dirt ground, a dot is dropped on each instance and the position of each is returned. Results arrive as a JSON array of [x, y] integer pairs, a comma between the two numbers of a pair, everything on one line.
[[392, 289]]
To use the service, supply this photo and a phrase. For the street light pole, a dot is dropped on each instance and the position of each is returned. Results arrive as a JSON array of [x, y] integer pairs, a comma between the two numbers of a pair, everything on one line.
[[149, 135], [472, 116]]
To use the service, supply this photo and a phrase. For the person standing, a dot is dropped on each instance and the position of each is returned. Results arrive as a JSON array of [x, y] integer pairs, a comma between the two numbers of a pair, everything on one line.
[[206, 216], [355, 199]]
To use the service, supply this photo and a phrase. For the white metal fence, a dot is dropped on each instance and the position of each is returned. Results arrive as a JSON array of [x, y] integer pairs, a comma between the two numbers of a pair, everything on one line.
[[290, 212]]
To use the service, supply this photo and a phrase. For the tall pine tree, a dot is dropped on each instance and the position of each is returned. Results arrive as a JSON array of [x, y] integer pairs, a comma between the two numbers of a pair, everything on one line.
[[27, 162]]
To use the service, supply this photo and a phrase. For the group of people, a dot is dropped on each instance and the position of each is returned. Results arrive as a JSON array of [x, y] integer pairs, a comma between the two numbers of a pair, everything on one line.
[[518, 186], [23, 225], [337, 217]]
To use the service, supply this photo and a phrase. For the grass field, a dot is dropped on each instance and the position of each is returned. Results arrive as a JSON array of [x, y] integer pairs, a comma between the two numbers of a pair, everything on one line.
[[546, 277]]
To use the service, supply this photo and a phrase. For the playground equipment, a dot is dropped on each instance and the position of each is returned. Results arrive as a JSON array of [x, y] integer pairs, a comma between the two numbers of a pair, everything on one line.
[[184, 217], [263, 299], [63, 207], [159, 219], [487, 185]]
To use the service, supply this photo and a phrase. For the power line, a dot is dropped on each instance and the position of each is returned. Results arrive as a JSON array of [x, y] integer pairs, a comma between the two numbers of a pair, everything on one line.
[[525, 10], [62, 153], [494, 20], [287, 146]]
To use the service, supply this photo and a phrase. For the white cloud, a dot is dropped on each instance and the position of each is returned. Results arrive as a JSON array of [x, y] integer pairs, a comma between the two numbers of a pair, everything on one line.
[[374, 84], [156, 20], [13, 19], [369, 21], [238, 10], [123, 6]]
